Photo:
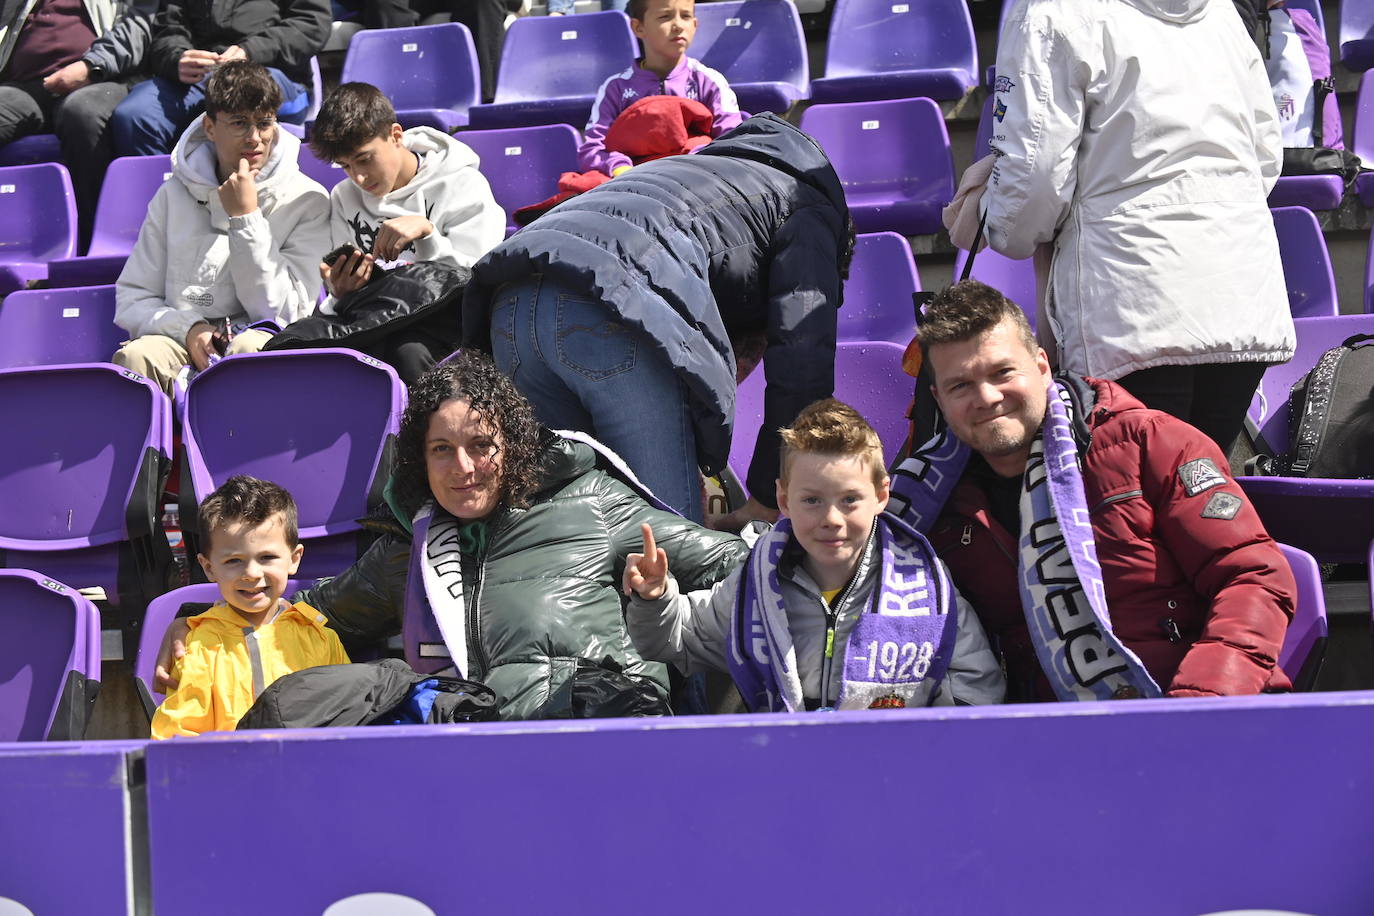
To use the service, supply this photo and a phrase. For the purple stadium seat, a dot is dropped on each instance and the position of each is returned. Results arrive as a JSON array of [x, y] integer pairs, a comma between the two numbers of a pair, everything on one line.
[[49, 327], [1362, 139], [893, 159], [31, 150], [37, 222], [1312, 6], [1014, 279], [759, 47], [332, 451], [50, 660], [81, 476], [877, 295], [522, 164], [868, 377], [982, 141], [1357, 34], [161, 611], [429, 72], [1305, 642], [129, 186], [1306, 263], [1331, 519], [552, 66], [881, 49], [1315, 192], [326, 173]]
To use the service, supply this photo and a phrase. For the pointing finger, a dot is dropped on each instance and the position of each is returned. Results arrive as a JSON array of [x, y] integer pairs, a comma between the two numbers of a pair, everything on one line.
[[649, 549]]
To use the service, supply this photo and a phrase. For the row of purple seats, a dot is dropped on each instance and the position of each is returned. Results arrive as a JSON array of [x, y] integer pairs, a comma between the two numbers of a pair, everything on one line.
[[49, 658]]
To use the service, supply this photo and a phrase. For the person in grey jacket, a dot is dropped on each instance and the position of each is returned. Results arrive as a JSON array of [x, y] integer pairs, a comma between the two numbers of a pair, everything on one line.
[[64, 66], [505, 555]]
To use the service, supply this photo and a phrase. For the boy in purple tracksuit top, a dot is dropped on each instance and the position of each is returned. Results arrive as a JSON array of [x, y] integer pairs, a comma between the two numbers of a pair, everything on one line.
[[665, 27]]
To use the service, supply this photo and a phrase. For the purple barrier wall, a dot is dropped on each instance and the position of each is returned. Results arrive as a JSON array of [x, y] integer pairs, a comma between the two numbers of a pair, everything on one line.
[[1155, 808], [63, 817]]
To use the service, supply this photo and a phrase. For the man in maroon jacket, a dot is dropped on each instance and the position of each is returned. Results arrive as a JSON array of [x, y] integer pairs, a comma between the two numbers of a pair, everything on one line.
[[1194, 586]]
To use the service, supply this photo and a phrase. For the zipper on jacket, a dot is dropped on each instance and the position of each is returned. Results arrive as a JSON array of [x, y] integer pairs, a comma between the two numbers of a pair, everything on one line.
[[476, 650], [1120, 497], [967, 537]]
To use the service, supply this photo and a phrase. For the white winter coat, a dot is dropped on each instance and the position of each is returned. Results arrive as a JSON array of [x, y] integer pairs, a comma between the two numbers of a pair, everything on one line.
[[448, 190], [1140, 136], [193, 262]]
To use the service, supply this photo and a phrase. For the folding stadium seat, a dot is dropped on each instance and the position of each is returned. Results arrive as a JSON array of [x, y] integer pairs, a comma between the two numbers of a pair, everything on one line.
[[331, 450], [49, 327], [1306, 263], [522, 164], [1014, 279], [1315, 192], [326, 173], [37, 222], [759, 47], [129, 186], [86, 455], [1332, 519], [1304, 645], [877, 295], [31, 150], [429, 72], [49, 658], [1357, 34], [1362, 138], [893, 159], [868, 377], [881, 49], [552, 66]]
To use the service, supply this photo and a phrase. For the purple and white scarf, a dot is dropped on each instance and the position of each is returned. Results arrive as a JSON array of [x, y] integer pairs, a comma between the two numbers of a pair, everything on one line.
[[1062, 592], [900, 648]]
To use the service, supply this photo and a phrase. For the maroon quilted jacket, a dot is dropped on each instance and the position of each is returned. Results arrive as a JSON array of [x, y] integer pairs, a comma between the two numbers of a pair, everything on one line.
[[1203, 599]]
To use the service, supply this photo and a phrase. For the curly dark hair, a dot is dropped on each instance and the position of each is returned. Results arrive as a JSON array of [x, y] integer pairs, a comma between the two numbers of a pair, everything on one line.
[[471, 376]]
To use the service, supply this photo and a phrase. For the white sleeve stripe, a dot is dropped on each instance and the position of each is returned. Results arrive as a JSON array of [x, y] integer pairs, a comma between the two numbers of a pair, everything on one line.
[[727, 95], [601, 94]]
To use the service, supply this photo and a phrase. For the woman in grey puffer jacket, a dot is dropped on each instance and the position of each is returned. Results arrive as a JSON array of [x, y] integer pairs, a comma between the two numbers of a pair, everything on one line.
[[525, 535]]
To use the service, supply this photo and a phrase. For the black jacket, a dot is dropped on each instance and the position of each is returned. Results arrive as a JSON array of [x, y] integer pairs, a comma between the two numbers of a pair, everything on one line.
[[275, 33], [745, 237]]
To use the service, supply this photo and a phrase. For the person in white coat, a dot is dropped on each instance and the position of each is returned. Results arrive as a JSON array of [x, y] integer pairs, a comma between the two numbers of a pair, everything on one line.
[[1139, 138], [233, 238]]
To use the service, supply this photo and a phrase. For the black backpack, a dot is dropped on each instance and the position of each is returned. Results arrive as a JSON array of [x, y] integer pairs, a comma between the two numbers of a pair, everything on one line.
[[1331, 417]]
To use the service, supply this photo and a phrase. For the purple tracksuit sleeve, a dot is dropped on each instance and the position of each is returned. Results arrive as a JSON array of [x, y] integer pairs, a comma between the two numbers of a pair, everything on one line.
[[592, 155], [717, 95]]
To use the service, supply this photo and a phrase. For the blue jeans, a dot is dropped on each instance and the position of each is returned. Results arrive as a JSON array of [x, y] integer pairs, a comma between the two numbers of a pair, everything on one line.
[[567, 7], [156, 112], [582, 369]]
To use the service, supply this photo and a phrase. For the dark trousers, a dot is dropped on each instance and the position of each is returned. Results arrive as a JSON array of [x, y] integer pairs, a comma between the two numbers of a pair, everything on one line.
[[486, 20], [81, 121], [1213, 397]]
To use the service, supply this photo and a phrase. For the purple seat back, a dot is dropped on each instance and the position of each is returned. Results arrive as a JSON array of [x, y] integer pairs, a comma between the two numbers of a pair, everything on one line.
[[758, 46], [129, 186], [1307, 631], [424, 67], [326, 173], [877, 295], [982, 141], [78, 437], [48, 630], [325, 448], [45, 327], [890, 156], [868, 377], [1014, 279], [562, 57], [873, 38], [162, 610], [1357, 34], [1306, 263], [1362, 137], [522, 164], [1312, 6], [37, 213], [31, 149], [1315, 337]]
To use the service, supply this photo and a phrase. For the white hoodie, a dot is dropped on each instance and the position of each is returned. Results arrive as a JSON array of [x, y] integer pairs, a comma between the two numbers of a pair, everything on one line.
[[193, 262], [1141, 138], [448, 190]]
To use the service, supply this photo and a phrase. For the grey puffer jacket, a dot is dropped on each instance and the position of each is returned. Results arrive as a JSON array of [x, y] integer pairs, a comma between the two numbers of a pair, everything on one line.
[[546, 587]]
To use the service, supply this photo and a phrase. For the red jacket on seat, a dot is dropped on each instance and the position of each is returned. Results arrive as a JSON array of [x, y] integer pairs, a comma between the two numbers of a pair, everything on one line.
[[1204, 600]]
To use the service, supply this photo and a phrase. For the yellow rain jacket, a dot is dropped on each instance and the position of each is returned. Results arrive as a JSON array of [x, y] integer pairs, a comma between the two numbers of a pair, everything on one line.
[[228, 664]]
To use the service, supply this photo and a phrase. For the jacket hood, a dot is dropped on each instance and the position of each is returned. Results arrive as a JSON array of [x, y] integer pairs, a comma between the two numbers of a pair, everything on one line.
[[194, 165], [769, 139], [1172, 10], [443, 154]]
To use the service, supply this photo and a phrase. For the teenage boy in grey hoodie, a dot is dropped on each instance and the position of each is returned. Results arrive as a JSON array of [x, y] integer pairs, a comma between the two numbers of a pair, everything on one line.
[[233, 237]]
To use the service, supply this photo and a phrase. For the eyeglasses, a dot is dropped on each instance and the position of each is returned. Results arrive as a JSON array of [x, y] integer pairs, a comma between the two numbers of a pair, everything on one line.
[[242, 127]]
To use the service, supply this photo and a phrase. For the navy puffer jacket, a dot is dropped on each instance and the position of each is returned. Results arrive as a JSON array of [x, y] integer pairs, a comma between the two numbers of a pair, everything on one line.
[[744, 238]]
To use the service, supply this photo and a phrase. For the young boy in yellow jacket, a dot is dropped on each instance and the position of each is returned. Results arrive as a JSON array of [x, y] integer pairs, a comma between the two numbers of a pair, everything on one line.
[[244, 643]]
